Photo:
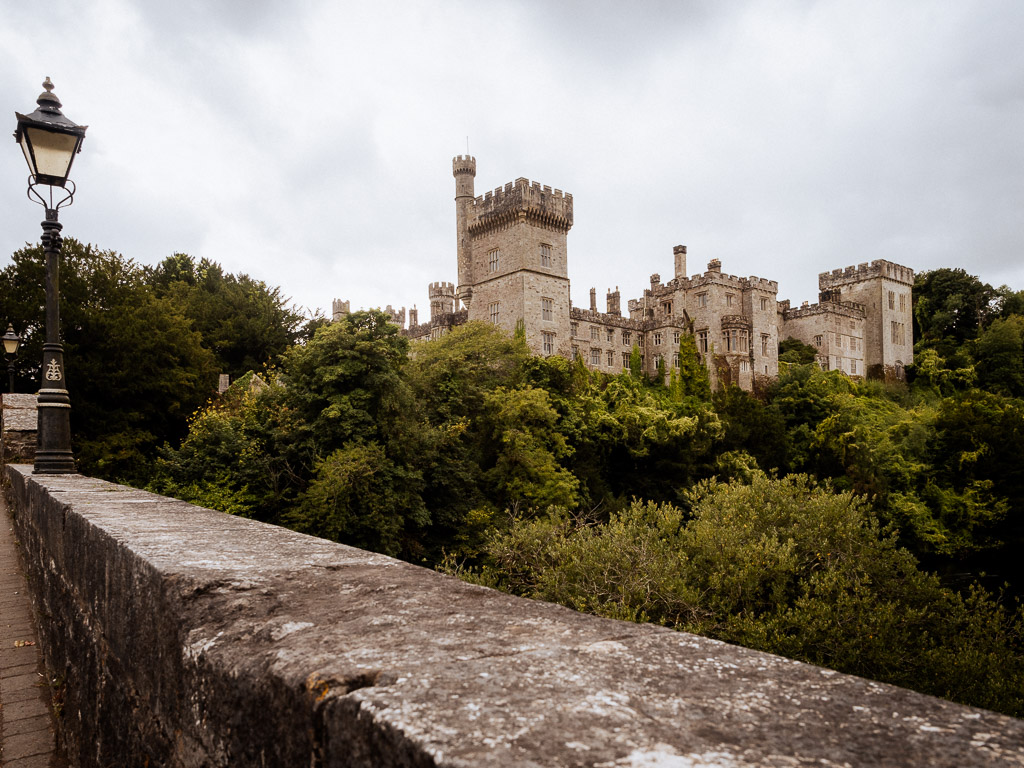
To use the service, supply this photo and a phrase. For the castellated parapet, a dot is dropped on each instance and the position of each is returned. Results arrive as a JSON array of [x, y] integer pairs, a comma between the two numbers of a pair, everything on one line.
[[339, 309], [540, 205], [464, 164], [877, 268], [442, 298]]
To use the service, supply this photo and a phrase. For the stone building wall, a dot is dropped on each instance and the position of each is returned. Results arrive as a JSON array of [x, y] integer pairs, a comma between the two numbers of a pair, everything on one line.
[[835, 328], [18, 428]]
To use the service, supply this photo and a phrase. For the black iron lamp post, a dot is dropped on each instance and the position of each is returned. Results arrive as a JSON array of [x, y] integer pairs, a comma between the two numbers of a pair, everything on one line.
[[50, 142], [11, 343]]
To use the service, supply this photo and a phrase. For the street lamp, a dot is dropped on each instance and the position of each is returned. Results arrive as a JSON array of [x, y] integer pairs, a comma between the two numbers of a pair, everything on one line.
[[11, 343], [50, 142]]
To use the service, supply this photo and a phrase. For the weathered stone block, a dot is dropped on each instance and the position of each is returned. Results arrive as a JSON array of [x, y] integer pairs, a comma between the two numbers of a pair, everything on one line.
[[186, 637]]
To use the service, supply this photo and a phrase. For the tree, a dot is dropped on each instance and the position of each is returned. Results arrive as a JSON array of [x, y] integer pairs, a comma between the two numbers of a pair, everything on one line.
[[999, 351], [244, 322], [950, 308], [693, 374], [796, 352]]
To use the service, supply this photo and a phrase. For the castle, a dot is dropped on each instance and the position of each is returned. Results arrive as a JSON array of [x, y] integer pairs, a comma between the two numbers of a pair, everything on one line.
[[513, 267]]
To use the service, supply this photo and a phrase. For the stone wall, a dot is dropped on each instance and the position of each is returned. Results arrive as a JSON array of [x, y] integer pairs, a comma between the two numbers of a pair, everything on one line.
[[17, 428], [185, 637]]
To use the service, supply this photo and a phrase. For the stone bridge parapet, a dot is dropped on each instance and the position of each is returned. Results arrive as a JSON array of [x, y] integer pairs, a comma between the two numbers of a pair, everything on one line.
[[185, 637]]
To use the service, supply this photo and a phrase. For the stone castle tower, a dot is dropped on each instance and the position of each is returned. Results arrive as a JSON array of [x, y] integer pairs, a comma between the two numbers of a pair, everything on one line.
[[512, 256]]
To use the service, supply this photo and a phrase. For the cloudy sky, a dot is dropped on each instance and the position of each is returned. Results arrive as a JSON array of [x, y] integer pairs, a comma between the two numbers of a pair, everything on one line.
[[308, 143]]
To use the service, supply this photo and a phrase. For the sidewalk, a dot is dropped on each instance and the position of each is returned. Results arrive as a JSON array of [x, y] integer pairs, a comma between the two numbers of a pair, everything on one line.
[[26, 722]]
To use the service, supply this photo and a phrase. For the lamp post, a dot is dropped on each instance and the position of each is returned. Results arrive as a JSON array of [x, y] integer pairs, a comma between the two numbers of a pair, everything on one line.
[[11, 343], [50, 142]]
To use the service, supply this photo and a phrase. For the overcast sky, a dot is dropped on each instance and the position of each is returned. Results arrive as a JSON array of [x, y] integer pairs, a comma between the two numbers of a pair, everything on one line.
[[308, 143]]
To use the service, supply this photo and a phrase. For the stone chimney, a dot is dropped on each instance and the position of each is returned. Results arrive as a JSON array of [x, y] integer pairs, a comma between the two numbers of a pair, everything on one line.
[[593, 299], [714, 265], [655, 280], [679, 253], [414, 316]]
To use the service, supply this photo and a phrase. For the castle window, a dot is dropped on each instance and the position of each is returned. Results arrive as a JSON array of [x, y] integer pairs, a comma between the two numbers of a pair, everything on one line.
[[492, 260], [625, 360], [818, 340], [765, 339], [903, 302], [853, 366], [702, 299], [764, 304], [897, 333], [640, 340], [609, 335], [657, 338], [702, 341], [595, 357], [611, 358], [675, 338], [728, 299], [675, 359], [575, 351], [545, 255], [626, 338], [549, 342], [892, 300], [595, 333], [744, 366], [666, 307], [735, 340], [494, 311], [574, 329], [546, 309]]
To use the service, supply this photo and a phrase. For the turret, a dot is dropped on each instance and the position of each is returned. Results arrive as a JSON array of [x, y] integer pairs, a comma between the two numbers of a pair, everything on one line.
[[339, 309], [613, 302], [464, 170], [442, 299], [414, 317]]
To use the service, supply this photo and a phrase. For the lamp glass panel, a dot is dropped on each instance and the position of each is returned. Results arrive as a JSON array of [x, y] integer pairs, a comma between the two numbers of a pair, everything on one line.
[[53, 152], [10, 345], [28, 154]]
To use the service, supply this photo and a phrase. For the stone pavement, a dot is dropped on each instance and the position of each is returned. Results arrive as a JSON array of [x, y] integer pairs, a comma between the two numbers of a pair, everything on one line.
[[26, 720]]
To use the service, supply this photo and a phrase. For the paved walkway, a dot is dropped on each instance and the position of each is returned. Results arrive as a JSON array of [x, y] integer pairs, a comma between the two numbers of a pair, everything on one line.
[[26, 722]]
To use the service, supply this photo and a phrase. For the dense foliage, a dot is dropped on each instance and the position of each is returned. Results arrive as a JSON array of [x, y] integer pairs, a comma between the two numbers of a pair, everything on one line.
[[142, 351], [872, 528]]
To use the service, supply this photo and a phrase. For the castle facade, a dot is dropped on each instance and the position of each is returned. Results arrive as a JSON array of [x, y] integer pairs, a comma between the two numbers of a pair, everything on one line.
[[512, 261]]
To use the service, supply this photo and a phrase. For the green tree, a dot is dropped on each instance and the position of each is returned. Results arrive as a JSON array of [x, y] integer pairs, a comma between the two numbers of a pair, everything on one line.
[[796, 352], [950, 308], [693, 374], [999, 351], [244, 322]]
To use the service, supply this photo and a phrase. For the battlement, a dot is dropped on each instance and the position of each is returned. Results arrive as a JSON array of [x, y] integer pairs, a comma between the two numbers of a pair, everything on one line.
[[576, 314], [441, 290], [540, 204], [339, 309], [879, 268], [850, 309], [464, 164]]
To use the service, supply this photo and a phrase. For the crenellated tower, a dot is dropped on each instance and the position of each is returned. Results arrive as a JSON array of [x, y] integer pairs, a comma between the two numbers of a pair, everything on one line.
[[442, 299], [512, 257], [464, 170]]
